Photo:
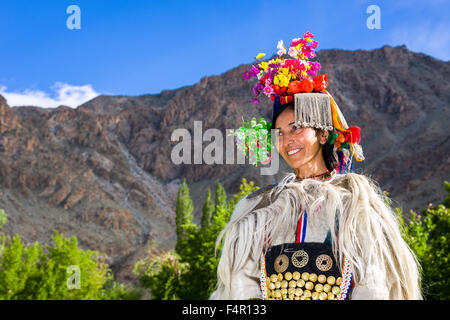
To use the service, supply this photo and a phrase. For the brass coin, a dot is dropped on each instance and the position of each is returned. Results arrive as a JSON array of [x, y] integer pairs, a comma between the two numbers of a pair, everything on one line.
[[280, 277], [283, 291], [330, 296], [322, 278], [281, 263], [319, 287], [296, 275], [292, 284], [309, 285], [277, 285], [271, 286], [298, 292], [324, 262], [273, 278], [315, 295], [336, 290], [291, 290], [338, 281], [288, 276], [300, 283], [284, 284], [331, 280], [300, 258], [277, 294], [313, 277], [323, 296], [305, 276], [326, 287], [307, 294]]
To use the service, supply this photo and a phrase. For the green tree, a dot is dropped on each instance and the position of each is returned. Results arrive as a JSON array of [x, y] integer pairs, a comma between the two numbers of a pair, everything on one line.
[[184, 219], [3, 218], [162, 273], [207, 212], [193, 267], [428, 235], [58, 272]]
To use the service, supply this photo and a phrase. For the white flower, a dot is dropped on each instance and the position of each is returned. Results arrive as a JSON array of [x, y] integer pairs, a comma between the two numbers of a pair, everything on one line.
[[293, 52], [280, 45]]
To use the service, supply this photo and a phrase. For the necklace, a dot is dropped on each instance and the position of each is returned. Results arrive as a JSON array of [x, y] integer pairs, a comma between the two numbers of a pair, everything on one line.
[[324, 176]]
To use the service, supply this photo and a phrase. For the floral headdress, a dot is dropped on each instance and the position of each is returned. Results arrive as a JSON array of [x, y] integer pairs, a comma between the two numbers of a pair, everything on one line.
[[286, 77], [295, 80]]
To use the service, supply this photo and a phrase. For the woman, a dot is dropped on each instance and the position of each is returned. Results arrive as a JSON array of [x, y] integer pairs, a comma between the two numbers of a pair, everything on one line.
[[323, 232]]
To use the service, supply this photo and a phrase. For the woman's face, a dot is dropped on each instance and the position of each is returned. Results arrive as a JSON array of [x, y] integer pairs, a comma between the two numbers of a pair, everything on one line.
[[300, 147]]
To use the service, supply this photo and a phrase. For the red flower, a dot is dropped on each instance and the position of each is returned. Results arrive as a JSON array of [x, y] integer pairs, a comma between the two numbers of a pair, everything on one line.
[[320, 82], [307, 85], [276, 88], [294, 87]]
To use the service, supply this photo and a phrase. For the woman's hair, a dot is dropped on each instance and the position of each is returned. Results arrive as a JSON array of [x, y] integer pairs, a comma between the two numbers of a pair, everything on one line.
[[327, 151]]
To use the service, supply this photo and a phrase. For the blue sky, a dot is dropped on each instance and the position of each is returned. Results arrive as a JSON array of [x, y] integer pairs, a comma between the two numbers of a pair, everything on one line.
[[139, 47]]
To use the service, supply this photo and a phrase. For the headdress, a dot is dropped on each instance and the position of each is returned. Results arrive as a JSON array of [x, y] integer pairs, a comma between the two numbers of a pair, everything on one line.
[[295, 81]]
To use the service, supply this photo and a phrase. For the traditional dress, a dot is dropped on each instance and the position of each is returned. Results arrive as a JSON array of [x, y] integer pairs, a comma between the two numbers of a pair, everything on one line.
[[311, 239], [329, 238]]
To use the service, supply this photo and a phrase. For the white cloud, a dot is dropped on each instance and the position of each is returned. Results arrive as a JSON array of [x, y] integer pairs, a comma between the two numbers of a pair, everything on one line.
[[63, 94]]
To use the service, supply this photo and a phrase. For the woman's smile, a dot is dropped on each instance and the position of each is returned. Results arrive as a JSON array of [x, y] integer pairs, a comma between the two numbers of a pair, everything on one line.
[[294, 151]]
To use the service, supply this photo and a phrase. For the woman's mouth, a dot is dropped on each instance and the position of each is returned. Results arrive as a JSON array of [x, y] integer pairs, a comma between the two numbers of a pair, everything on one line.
[[293, 151]]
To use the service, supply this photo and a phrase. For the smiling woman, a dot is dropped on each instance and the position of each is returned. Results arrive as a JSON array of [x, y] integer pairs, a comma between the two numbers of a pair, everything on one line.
[[304, 148], [323, 232]]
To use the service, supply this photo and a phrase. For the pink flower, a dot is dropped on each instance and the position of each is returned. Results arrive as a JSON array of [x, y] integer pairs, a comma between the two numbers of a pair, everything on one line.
[[293, 52], [308, 52], [281, 52], [315, 66], [246, 74], [254, 71], [268, 91], [298, 41], [308, 35]]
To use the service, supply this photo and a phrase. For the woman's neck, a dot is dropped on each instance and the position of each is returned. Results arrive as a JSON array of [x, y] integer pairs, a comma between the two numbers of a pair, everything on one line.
[[311, 169]]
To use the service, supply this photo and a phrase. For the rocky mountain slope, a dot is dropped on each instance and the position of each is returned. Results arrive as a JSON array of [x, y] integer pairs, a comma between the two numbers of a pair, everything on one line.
[[103, 171]]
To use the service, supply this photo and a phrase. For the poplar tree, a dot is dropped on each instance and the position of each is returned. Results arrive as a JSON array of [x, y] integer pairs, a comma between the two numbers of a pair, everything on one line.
[[184, 219]]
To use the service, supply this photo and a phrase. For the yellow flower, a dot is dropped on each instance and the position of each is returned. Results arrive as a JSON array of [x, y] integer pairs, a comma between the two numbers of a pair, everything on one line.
[[260, 55], [277, 60], [282, 80], [264, 65], [284, 71]]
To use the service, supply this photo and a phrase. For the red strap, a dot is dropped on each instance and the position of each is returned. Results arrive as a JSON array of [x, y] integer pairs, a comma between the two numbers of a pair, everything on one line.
[[299, 228]]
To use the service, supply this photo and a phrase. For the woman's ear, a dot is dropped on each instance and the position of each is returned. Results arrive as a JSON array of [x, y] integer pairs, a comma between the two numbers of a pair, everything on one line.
[[324, 136]]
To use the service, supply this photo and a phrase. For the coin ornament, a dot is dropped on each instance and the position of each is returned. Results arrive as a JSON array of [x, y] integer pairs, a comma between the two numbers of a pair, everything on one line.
[[281, 263], [300, 258], [324, 262]]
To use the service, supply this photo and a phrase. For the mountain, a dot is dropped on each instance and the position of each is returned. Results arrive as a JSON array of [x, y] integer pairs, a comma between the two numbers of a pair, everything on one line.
[[104, 173]]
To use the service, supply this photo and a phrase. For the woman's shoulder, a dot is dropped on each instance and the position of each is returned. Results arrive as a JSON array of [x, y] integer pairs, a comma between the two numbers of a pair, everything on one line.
[[262, 191]]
